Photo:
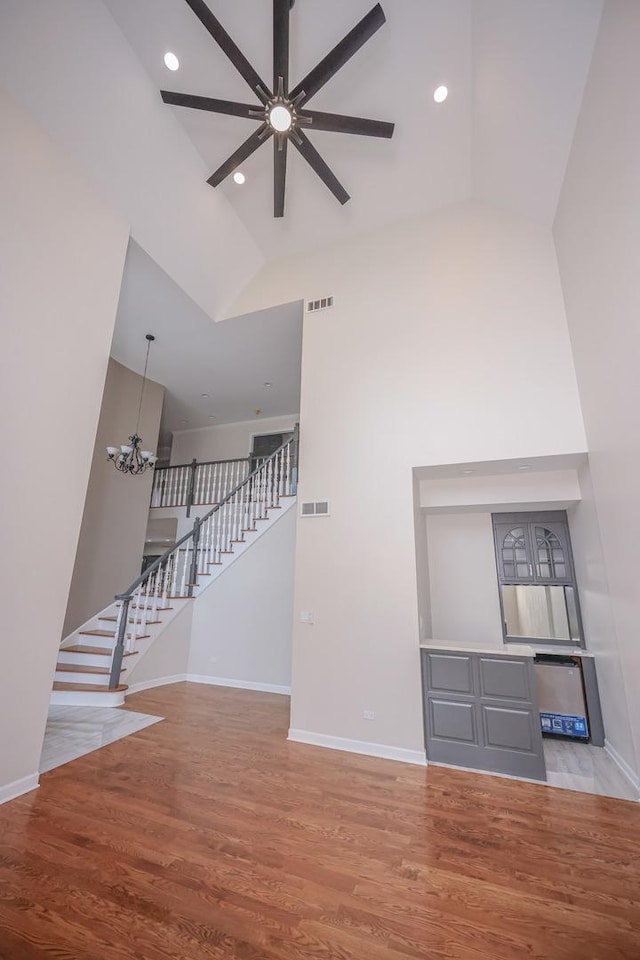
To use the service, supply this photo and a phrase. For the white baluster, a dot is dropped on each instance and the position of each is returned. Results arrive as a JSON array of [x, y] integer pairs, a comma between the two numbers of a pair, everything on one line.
[[166, 580], [185, 567], [175, 562]]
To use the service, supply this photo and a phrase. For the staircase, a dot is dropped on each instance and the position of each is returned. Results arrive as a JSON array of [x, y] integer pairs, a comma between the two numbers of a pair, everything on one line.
[[94, 661]]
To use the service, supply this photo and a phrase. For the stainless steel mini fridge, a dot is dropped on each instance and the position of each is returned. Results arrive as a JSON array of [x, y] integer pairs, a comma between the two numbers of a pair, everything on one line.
[[561, 697]]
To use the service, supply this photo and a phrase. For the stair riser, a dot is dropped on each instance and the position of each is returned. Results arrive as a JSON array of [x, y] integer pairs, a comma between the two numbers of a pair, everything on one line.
[[85, 659], [73, 698], [107, 643], [150, 621], [99, 679]]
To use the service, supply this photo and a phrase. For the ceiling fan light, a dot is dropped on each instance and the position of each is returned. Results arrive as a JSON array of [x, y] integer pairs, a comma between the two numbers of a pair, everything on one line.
[[171, 62], [440, 94], [280, 118], [239, 178]]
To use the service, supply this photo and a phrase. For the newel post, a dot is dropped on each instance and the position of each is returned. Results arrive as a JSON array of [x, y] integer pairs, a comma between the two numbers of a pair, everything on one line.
[[121, 632], [193, 573]]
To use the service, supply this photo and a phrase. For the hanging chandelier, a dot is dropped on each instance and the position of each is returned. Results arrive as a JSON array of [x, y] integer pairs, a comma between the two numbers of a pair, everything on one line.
[[128, 457]]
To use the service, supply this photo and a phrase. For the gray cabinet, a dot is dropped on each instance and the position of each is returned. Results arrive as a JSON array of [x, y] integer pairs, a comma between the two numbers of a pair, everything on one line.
[[480, 711], [533, 548]]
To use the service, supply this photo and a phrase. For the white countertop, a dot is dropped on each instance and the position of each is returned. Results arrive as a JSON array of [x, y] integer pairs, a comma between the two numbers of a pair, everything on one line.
[[502, 650]]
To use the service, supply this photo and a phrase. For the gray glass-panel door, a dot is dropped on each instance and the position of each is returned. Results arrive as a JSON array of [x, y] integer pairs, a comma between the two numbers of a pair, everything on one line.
[[551, 556], [513, 552], [533, 549]]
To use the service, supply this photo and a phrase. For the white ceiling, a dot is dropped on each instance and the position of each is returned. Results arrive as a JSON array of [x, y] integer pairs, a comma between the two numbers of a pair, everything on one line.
[[515, 69], [230, 360]]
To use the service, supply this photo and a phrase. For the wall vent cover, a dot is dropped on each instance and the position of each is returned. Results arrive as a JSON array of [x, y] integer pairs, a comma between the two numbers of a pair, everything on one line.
[[324, 303], [319, 508]]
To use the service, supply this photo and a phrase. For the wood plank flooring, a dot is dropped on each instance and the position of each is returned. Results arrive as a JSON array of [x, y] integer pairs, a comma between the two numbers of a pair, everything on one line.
[[210, 836]]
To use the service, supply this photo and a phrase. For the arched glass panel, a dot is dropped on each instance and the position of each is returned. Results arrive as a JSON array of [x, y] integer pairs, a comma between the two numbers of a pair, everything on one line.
[[550, 558], [515, 562]]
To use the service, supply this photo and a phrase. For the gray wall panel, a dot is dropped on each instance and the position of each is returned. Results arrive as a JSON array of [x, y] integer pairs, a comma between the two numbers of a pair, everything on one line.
[[450, 672], [453, 720], [504, 678]]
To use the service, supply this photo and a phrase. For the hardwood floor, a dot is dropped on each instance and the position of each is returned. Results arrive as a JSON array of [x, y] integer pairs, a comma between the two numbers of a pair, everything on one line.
[[210, 836]]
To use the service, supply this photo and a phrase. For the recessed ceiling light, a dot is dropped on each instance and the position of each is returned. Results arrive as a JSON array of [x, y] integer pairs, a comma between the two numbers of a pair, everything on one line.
[[183, 421], [205, 396], [268, 383], [171, 62], [211, 418], [467, 471], [525, 466], [239, 177], [440, 94]]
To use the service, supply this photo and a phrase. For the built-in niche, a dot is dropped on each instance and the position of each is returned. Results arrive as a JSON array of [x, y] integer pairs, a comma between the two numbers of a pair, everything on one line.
[[538, 593]]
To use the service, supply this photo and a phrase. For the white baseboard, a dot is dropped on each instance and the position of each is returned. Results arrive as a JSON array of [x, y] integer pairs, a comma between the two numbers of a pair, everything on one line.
[[359, 746], [12, 790], [623, 766], [211, 681], [239, 684], [158, 682]]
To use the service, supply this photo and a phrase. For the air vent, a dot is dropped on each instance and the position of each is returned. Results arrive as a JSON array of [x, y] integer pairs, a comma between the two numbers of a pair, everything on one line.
[[323, 304], [321, 508]]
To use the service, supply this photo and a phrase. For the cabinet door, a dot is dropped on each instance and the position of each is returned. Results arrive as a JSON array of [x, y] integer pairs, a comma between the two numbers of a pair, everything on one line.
[[550, 551], [513, 552]]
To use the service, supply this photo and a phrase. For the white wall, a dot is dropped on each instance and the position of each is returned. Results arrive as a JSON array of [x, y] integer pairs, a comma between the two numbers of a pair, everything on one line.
[[114, 520], [597, 233], [463, 583], [547, 489], [168, 655], [448, 343], [229, 441], [67, 63], [242, 623], [596, 604], [61, 257]]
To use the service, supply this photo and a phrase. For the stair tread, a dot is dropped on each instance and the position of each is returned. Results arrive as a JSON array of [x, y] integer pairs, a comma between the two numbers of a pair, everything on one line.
[[89, 687], [81, 668], [107, 633], [97, 651], [147, 623]]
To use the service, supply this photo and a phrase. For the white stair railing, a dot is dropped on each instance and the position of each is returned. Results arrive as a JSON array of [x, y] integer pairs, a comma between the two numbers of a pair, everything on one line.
[[175, 574]]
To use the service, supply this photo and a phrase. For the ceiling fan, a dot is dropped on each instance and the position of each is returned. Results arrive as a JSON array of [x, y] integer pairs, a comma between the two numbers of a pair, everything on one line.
[[282, 112]]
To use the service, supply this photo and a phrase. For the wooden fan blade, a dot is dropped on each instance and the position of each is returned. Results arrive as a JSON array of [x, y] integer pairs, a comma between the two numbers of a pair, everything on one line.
[[214, 106], [281, 44], [260, 136], [337, 123], [224, 41], [279, 173], [313, 158], [340, 54]]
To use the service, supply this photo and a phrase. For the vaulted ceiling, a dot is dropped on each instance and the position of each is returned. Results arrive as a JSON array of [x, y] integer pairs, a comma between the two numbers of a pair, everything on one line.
[[515, 70]]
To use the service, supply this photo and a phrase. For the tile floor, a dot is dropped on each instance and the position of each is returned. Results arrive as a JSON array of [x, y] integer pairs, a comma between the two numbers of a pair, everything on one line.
[[583, 767], [73, 731]]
